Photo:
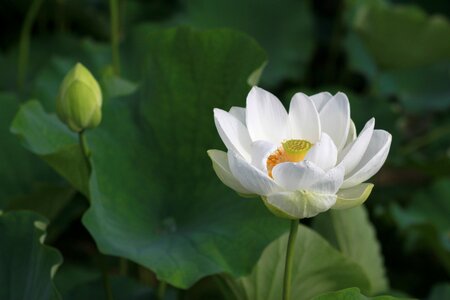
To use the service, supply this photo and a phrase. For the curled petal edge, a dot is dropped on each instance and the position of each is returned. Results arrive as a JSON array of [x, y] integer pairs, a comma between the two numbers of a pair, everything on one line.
[[354, 196]]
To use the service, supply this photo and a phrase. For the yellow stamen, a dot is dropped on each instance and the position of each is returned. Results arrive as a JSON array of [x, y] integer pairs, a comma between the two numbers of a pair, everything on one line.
[[290, 151]]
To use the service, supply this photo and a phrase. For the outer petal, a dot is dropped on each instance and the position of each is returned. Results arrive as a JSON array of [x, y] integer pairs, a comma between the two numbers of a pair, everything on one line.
[[320, 99], [351, 133], [233, 133], [372, 160], [330, 183], [260, 152], [303, 119], [335, 119], [354, 196], [222, 169], [353, 153], [298, 205], [296, 176], [239, 113], [323, 153], [250, 177], [266, 117]]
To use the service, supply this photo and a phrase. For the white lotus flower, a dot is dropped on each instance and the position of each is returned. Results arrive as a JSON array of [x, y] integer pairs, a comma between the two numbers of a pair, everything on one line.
[[303, 162]]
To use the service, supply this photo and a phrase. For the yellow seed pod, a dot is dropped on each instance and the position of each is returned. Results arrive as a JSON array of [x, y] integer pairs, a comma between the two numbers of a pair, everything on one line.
[[79, 101], [296, 150]]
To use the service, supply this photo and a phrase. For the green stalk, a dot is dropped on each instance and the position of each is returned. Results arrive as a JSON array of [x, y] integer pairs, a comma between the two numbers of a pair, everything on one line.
[[145, 276], [60, 16], [161, 290], [114, 12], [84, 149], [289, 257], [107, 286], [102, 265], [24, 44], [123, 266]]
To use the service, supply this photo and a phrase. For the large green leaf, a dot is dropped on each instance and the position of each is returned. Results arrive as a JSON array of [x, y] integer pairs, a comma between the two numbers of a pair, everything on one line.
[[19, 169], [55, 202], [154, 196], [415, 71], [418, 89], [351, 232], [27, 266], [46, 199], [286, 32], [317, 268], [351, 294], [47, 137], [408, 36]]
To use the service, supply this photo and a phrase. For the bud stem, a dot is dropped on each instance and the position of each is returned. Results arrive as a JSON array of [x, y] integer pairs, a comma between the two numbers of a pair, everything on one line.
[[84, 149], [289, 256]]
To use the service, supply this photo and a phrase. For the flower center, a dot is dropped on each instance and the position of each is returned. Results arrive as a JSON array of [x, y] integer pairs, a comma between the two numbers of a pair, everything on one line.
[[289, 151]]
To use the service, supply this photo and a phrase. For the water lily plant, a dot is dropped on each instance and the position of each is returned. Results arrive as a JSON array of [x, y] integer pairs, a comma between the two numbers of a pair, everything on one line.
[[302, 162]]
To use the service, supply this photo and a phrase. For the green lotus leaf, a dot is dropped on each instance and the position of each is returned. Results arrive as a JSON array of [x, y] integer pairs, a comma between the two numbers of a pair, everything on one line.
[[27, 265], [351, 232]]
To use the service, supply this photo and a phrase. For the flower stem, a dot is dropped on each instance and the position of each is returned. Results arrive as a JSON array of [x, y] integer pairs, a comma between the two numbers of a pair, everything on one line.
[[114, 13], [24, 44], [289, 257]]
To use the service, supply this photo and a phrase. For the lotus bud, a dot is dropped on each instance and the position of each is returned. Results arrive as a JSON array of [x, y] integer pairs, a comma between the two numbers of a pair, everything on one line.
[[80, 100]]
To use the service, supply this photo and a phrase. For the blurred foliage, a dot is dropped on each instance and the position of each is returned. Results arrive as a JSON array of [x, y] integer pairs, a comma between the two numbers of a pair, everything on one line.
[[392, 58]]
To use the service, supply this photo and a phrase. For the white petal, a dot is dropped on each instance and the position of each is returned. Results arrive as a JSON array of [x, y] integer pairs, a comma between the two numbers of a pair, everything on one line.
[[323, 153], [354, 152], [266, 117], [296, 176], [320, 99], [350, 138], [330, 183], [303, 119], [299, 204], [260, 152], [233, 133], [372, 160], [335, 119], [238, 113], [222, 169], [351, 133], [354, 196], [250, 177]]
